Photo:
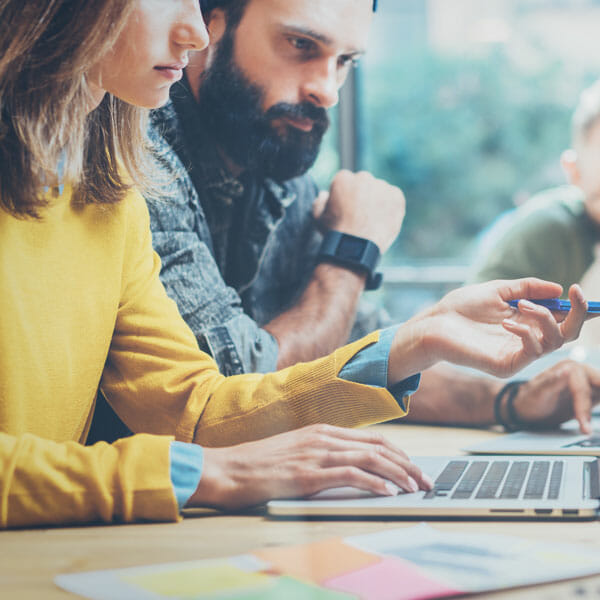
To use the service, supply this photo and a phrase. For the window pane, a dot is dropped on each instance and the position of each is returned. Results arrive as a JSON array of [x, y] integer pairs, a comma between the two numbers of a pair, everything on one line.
[[328, 162], [467, 105]]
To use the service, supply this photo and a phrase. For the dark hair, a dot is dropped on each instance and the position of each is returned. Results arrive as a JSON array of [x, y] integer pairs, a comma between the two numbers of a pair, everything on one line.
[[235, 8]]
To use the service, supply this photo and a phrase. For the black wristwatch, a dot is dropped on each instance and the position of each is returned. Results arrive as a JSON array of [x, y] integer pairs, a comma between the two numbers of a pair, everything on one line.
[[352, 252]]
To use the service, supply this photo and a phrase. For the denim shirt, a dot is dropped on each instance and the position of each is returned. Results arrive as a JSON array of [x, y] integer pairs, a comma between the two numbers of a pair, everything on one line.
[[236, 252]]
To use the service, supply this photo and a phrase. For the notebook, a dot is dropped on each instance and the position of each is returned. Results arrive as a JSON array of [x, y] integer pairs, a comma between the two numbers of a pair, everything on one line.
[[495, 487], [568, 440]]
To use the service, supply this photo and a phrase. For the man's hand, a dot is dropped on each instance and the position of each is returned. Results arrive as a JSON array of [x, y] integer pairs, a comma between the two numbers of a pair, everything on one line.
[[361, 205], [302, 463], [475, 326], [321, 319], [566, 390]]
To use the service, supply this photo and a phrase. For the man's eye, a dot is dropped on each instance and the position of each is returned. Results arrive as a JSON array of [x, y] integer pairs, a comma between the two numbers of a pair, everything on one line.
[[302, 44], [348, 61]]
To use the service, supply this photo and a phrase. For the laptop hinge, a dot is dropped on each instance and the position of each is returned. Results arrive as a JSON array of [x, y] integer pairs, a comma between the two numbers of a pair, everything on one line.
[[594, 473]]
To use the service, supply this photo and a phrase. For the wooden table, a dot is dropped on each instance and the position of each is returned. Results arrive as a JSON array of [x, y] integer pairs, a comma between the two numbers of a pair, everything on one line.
[[30, 559]]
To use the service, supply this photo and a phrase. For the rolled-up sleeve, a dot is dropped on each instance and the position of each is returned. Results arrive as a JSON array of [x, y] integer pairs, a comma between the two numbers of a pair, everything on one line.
[[186, 462], [370, 367]]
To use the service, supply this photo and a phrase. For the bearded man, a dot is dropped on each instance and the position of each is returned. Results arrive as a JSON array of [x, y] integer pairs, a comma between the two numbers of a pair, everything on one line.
[[266, 271], [246, 261]]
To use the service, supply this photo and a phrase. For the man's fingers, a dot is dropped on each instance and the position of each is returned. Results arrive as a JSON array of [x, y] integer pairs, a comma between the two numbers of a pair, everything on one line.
[[319, 204], [581, 395]]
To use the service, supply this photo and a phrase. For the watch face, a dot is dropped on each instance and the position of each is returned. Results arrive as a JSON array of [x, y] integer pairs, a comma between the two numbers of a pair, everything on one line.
[[351, 248]]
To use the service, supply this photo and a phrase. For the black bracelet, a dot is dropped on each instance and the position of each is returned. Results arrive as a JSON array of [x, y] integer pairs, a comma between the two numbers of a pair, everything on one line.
[[510, 390]]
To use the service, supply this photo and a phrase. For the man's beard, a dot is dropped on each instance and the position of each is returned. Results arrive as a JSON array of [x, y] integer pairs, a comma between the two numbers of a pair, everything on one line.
[[231, 111]]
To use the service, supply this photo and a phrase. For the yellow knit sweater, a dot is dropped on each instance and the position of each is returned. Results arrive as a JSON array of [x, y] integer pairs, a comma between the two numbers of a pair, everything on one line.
[[82, 307]]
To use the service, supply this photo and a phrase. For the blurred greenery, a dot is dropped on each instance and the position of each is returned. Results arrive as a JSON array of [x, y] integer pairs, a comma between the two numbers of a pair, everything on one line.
[[463, 137], [328, 162], [467, 128]]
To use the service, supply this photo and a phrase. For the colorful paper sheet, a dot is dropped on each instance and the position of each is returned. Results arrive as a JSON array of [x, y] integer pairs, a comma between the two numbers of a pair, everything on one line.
[[317, 562], [480, 562], [411, 563], [391, 579]]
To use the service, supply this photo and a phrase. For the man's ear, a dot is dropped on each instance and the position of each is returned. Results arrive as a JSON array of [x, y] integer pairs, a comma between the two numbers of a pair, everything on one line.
[[216, 23], [568, 161]]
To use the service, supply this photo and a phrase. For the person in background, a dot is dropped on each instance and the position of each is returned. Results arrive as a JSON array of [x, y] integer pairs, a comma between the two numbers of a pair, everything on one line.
[[83, 307], [554, 234], [240, 234]]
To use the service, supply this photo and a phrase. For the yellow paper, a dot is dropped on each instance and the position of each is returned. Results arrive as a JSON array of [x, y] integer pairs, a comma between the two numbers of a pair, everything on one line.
[[196, 581]]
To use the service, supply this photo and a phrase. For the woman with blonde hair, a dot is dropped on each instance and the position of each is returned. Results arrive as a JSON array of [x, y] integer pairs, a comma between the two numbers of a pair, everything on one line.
[[83, 308]]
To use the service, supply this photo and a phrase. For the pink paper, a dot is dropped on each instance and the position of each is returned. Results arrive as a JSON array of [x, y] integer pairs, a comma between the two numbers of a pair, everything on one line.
[[390, 579]]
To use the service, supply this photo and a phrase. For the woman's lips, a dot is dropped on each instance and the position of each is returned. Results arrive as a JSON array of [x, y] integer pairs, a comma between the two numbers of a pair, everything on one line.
[[172, 72]]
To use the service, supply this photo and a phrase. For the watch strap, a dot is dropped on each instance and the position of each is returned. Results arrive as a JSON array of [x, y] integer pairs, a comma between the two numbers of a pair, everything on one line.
[[354, 253]]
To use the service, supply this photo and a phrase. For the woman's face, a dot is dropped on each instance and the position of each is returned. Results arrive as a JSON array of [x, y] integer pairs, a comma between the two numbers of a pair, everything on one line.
[[151, 52]]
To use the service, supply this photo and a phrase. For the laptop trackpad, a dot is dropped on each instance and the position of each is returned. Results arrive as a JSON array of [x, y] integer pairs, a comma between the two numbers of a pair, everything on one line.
[[344, 493]]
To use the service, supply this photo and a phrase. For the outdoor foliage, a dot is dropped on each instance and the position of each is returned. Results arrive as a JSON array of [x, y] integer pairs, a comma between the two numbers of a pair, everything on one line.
[[464, 139]]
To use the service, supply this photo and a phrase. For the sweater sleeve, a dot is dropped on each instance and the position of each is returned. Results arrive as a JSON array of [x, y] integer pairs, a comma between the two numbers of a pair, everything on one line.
[[159, 382], [49, 483]]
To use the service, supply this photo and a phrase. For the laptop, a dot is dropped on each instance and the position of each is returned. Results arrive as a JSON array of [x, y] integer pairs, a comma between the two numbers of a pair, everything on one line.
[[531, 487], [566, 441]]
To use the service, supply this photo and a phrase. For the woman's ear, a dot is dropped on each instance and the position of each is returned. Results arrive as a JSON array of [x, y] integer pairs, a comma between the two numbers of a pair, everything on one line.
[[568, 161]]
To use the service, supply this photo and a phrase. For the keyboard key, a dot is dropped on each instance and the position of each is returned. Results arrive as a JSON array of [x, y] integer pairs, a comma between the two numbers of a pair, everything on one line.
[[450, 475], [536, 483], [447, 478], [555, 480], [493, 478], [594, 475], [470, 480], [514, 480]]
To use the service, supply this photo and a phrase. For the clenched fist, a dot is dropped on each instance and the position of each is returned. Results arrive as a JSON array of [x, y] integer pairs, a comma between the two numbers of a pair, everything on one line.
[[364, 206]]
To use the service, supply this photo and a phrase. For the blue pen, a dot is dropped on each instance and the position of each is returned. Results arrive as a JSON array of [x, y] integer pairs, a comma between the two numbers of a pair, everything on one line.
[[557, 305]]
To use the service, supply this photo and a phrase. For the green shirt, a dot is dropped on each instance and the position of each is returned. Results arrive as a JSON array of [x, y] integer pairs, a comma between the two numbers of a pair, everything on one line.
[[550, 237]]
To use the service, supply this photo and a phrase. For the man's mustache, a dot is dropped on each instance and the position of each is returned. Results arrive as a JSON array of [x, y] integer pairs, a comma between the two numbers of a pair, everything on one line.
[[304, 110]]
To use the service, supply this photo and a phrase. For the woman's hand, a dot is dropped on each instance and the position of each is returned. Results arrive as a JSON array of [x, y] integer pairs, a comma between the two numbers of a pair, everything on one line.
[[301, 463], [475, 326]]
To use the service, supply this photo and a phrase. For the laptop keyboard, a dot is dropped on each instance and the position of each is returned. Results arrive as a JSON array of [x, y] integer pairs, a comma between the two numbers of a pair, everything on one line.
[[461, 480]]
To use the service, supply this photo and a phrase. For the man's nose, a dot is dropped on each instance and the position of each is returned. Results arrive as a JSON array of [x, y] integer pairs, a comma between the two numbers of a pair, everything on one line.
[[322, 84]]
